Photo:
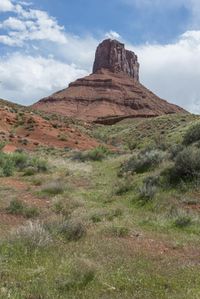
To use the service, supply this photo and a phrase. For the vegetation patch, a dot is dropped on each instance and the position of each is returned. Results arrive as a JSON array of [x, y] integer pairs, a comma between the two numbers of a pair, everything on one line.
[[17, 207]]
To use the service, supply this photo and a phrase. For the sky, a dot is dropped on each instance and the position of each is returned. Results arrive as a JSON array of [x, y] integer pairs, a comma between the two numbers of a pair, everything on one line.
[[46, 44]]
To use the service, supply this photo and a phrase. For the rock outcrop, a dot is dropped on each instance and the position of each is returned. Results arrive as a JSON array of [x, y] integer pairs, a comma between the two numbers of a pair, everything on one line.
[[111, 93], [112, 55]]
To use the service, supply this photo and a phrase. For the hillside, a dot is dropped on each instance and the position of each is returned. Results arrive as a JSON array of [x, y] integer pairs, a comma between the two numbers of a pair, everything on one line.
[[102, 224], [21, 128]]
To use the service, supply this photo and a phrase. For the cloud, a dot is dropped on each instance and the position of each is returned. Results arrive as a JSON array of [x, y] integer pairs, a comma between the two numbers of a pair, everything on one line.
[[6, 5], [13, 24], [25, 79], [172, 71], [113, 35], [30, 25]]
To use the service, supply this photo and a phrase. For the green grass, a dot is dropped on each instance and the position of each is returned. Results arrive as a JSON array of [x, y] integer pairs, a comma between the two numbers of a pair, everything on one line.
[[102, 235]]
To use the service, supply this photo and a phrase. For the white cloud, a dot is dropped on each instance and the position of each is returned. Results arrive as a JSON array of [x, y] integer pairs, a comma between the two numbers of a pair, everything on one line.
[[13, 24], [113, 35], [6, 5], [25, 79], [30, 25], [173, 71]]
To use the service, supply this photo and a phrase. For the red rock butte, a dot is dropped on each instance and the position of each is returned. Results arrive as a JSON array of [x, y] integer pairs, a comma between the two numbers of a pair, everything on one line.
[[111, 93]]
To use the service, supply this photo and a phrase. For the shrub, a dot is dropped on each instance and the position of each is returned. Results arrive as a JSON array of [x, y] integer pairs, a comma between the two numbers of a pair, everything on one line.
[[81, 275], [174, 150], [53, 188], [148, 190], [187, 165], [30, 171], [144, 161], [192, 135], [21, 162], [183, 221], [67, 207], [8, 168], [122, 187], [72, 230], [6, 165], [16, 207], [40, 164], [32, 234], [96, 154]]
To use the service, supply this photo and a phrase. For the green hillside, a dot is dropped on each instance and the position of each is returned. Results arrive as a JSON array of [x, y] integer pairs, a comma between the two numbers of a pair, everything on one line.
[[121, 221]]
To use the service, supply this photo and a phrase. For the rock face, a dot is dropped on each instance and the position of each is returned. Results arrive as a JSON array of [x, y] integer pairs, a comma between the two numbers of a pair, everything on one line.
[[111, 93], [112, 55]]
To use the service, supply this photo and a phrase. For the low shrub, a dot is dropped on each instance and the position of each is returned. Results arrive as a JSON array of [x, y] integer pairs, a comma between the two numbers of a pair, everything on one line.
[[20, 161], [96, 154], [192, 135], [16, 207], [149, 188], [183, 221], [143, 162], [32, 234], [122, 186], [6, 165], [174, 150], [72, 230], [81, 275], [66, 207], [53, 188], [186, 166]]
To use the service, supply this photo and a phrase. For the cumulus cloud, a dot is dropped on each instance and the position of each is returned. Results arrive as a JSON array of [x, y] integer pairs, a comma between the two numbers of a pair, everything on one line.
[[13, 24], [6, 5], [173, 71], [29, 25], [25, 79]]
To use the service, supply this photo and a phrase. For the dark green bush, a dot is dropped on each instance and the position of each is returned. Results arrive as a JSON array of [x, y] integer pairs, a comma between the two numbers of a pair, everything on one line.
[[192, 135], [186, 166]]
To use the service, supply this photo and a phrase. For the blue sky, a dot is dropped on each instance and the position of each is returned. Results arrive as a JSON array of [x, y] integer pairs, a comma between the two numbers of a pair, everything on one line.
[[135, 23], [45, 44]]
